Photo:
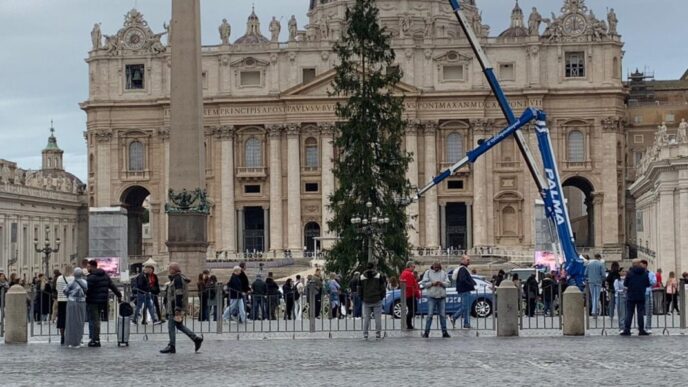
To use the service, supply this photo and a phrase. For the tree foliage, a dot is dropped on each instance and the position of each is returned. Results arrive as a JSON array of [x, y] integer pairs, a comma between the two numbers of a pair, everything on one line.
[[371, 163]]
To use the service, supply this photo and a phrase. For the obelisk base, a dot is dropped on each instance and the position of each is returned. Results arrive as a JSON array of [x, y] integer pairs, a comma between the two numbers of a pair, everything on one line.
[[187, 242]]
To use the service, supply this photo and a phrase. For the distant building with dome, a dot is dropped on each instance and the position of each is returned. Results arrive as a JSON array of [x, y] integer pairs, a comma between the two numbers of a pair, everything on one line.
[[41, 205], [269, 126]]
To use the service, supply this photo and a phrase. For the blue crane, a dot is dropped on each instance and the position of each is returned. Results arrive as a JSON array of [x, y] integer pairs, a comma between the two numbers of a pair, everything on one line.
[[549, 185]]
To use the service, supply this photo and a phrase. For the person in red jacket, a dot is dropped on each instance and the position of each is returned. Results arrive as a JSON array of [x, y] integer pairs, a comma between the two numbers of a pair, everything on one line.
[[412, 293]]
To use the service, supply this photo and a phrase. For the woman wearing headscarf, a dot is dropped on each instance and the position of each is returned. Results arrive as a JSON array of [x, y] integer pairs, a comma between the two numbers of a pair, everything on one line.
[[76, 310]]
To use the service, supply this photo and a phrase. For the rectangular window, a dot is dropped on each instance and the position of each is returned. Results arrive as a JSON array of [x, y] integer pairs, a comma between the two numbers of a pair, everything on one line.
[[506, 72], [575, 65], [308, 75], [311, 187], [637, 120], [135, 76], [452, 73], [638, 139], [250, 78], [637, 156], [13, 233], [252, 189], [670, 118], [455, 184]]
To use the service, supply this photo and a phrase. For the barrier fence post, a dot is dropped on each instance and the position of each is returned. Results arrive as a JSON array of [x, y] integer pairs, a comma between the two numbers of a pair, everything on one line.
[[574, 312], [402, 303], [16, 331], [508, 298], [311, 307], [683, 304], [219, 297]]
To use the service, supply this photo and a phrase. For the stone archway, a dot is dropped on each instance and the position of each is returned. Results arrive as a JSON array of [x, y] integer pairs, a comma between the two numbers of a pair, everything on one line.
[[133, 200], [310, 232], [579, 202]]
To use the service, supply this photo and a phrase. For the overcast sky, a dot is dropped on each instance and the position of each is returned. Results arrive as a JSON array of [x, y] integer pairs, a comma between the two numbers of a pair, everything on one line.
[[43, 44]]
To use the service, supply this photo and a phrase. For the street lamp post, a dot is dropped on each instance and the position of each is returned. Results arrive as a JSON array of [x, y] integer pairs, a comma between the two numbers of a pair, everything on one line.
[[371, 223], [46, 250]]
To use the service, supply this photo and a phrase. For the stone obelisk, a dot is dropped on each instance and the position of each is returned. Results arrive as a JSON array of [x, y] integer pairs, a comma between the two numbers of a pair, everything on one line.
[[186, 206]]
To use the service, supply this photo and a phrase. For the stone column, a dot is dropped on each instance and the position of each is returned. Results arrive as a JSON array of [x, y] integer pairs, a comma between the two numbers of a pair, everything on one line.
[[480, 198], [431, 221], [469, 226], [328, 184], [598, 225], [188, 234], [276, 217], [412, 176], [681, 264], [666, 248], [103, 168], [240, 229], [295, 241], [228, 214], [609, 168]]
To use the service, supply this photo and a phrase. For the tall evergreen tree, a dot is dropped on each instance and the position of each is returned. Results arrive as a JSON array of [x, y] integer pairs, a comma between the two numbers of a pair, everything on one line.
[[371, 164]]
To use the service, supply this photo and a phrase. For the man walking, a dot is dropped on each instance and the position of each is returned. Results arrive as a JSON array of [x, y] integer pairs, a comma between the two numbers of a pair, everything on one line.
[[435, 281], [372, 289], [412, 293], [142, 290], [595, 273], [177, 299], [636, 283], [465, 284], [99, 284]]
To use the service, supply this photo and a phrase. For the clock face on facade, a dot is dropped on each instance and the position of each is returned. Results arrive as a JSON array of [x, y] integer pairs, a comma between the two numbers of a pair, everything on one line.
[[134, 39], [575, 24]]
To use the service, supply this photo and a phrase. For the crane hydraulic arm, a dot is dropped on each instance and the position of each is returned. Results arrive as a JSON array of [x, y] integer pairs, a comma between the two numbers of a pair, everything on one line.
[[548, 185]]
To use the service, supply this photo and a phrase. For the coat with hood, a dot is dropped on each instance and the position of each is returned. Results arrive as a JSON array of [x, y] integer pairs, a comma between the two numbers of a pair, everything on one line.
[[636, 282], [259, 287], [99, 283], [412, 287], [372, 287]]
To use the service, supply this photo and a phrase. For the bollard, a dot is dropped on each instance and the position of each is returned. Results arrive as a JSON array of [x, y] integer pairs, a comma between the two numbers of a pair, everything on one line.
[[311, 307], [15, 316], [402, 303], [682, 302], [574, 312], [219, 298], [507, 309]]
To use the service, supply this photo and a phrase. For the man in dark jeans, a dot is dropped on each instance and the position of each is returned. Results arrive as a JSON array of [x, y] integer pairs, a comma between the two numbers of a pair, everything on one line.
[[636, 282], [412, 293], [99, 284]]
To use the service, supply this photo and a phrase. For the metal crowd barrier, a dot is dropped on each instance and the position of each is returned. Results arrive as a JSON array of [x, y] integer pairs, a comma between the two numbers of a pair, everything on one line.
[[2, 312], [543, 310]]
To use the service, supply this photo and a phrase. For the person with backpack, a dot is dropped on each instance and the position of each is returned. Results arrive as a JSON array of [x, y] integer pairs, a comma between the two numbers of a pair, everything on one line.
[[373, 287], [75, 316], [465, 285], [177, 301]]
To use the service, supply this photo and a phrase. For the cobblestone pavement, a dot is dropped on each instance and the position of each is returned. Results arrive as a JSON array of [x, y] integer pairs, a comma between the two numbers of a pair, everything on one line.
[[409, 361]]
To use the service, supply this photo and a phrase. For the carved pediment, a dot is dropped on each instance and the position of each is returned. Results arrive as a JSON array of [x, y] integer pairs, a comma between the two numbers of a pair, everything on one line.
[[249, 62], [578, 23], [453, 57], [134, 37], [321, 85]]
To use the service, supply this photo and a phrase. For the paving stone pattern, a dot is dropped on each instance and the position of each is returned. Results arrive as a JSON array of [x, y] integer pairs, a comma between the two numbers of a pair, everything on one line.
[[409, 361]]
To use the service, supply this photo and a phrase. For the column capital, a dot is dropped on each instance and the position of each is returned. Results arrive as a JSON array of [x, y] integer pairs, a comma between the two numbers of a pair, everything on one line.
[[429, 127], [224, 132], [412, 127], [482, 124], [293, 130], [164, 133], [326, 128], [103, 135], [275, 131], [611, 124]]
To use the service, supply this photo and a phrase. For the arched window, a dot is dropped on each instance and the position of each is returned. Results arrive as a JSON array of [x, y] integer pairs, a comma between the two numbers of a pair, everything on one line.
[[509, 221], [454, 147], [253, 157], [576, 147], [310, 232], [136, 160], [311, 152]]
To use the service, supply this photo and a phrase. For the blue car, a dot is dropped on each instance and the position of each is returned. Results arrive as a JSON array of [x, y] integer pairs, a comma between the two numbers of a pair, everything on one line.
[[482, 305]]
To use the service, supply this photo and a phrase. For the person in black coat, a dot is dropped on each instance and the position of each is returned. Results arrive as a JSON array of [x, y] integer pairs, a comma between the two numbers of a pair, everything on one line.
[[259, 299], [530, 289], [273, 296], [549, 293], [636, 282], [288, 293], [99, 286]]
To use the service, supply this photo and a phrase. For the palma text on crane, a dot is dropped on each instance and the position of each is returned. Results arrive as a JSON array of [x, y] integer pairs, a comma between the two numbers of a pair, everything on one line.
[[555, 195]]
